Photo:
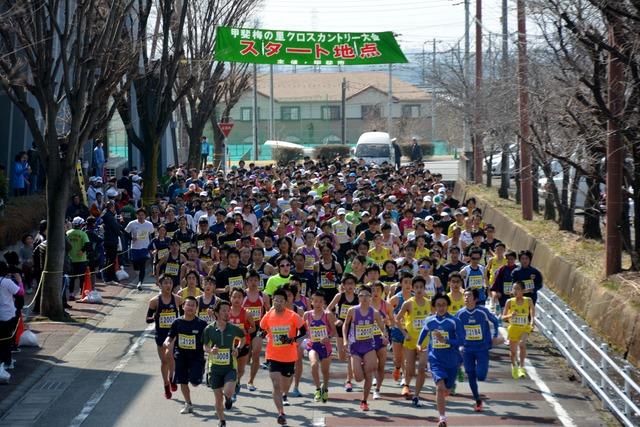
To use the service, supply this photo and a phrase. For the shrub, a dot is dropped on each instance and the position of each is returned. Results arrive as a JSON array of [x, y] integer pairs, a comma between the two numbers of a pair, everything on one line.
[[286, 154], [22, 215], [330, 151], [427, 149]]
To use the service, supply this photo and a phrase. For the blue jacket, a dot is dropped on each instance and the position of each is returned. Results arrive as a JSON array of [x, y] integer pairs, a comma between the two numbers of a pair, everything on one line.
[[445, 352], [20, 174], [98, 156], [477, 329]]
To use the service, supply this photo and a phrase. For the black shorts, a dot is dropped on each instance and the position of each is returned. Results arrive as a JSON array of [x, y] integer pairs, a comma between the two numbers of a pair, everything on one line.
[[287, 369], [189, 370], [218, 380], [339, 329], [161, 335], [244, 351]]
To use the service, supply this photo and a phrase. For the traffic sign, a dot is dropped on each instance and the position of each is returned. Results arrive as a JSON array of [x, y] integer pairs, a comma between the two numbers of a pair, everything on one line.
[[225, 128]]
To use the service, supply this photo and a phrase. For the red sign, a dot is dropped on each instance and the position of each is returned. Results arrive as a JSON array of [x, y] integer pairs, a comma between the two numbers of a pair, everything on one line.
[[225, 128]]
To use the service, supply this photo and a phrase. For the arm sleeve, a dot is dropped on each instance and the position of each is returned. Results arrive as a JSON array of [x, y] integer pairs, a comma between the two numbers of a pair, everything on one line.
[[537, 282], [173, 332], [423, 334], [496, 322], [459, 338]]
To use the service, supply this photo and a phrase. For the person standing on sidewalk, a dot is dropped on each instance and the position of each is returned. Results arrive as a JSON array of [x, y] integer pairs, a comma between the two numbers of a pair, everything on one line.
[[222, 343], [78, 254], [282, 326], [8, 321], [185, 339], [416, 151], [205, 149], [140, 231], [112, 232]]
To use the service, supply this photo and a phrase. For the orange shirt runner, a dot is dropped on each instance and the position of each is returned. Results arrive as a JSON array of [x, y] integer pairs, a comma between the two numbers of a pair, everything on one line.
[[279, 326]]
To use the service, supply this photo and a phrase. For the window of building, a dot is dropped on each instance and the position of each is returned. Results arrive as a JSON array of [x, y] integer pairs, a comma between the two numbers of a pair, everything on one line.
[[246, 114], [370, 111], [411, 111], [330, 112], [290, 113]]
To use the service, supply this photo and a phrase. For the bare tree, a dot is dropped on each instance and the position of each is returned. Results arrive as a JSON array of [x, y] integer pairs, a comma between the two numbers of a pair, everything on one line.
[[59, 63], [206, 92], [155, 92]]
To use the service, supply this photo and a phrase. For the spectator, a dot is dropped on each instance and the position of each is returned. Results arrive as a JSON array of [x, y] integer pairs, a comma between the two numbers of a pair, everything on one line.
[[26, 261], [36, 166], [99, 160], [9, 292], [125, 182], [416, 151], [205, 150], [112, 233], [76, 208], [397, 152], [20, 176], [80, 245]]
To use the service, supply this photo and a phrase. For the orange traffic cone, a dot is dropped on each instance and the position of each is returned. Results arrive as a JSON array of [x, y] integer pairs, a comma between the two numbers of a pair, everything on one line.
[[86, 287], [19, 330]]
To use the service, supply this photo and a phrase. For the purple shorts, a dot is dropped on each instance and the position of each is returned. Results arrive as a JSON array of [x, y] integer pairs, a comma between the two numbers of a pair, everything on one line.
[[361, 348], [323, 350]]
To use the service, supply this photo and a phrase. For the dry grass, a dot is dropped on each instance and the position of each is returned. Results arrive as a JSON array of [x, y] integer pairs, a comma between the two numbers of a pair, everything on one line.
[[21, 215]]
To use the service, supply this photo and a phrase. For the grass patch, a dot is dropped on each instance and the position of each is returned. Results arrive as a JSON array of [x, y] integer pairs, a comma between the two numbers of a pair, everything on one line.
[[611, 285], [21, 215]]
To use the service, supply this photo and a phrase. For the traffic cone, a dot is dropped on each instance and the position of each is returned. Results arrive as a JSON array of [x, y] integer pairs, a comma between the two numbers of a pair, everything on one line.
[[86, 287], [19, 330]]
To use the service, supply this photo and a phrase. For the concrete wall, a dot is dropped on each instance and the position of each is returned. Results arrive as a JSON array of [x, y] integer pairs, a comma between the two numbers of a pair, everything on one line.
[[603, 309]]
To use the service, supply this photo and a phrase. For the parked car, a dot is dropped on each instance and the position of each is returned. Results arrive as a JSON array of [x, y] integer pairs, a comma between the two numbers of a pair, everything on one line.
[[375, 147]]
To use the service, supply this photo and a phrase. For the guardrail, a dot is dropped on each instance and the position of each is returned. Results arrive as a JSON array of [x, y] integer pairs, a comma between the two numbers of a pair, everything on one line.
[[614, 385]]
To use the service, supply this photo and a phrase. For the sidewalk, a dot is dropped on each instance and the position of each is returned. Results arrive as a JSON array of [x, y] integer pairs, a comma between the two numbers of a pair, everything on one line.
[[56, 339]]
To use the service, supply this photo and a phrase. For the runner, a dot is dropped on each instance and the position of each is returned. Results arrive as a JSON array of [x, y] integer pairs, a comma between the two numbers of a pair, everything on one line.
[[171, 263], [411, 319], [321, 328], [446, 334], [397, 336], [257, 304], [186, 332], [380, 305], [456, 295], [282, 327], [284, 275], [530, 277], [192, 286], [238, 316], [222, 343], [478, 341], [342, 302], [329, 273], [141, 232], [208, 300], [163, 310], [358, 333], [474, 275], [520, 312]]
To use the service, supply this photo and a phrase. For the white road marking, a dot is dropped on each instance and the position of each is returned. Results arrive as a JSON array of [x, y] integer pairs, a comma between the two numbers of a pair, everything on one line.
[[102, 390], [318, 422], [562, 414]]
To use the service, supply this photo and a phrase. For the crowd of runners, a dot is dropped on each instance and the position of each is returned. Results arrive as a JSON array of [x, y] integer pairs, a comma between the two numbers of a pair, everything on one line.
[[338, 262]]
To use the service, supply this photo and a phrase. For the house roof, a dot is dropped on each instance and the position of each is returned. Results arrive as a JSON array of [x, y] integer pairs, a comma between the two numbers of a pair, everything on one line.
[[310, 87]]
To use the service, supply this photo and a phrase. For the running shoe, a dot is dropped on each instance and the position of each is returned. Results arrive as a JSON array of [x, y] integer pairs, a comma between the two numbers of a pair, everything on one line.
[[264, 366], [139, 287], [348, 387], [375, 382], [222, 423], [282, 420], [460, 375], [295, 392], [376, 394], [285, 401], [234, 397], [364, 406], [188, 409], [174, 387], [317, 396], [415, 401], [325, 395], [479, 406], [405, 391], [515, 373], [251, 387], [167, 391], [442, 423], [522, 373], [453, 390], [228, 403], [72, 297], [396, 374]]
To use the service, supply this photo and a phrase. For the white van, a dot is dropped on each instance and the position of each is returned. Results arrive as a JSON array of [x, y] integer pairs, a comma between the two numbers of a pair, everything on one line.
[[375, 147]]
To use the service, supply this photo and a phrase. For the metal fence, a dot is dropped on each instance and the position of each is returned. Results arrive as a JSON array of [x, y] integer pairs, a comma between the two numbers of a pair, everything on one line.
[[609, 376]]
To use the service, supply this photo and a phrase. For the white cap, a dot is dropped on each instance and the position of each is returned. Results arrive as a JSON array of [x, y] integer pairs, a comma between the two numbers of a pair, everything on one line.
[[204, 193], [426, 198], [429, 218], [255, 190], [233, 202], [112, 192], [237, 210], [392, 199], [341, 211], [77, 221], [136, 178]]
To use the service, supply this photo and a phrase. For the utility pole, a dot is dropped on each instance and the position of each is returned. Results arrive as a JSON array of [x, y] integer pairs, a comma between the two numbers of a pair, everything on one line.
[[478, 152], [390, 105], [255, 112], [505, 172], [615, 158], [433, 94], [271, 108], [344, 111], [526, 191], [466, 123]]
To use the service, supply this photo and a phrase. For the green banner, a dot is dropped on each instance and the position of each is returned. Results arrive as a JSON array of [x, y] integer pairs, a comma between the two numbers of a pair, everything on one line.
[[259, 46]]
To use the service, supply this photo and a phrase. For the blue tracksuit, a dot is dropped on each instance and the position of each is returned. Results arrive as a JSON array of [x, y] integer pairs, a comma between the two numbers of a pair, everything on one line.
[[477, 343], [444, 354]]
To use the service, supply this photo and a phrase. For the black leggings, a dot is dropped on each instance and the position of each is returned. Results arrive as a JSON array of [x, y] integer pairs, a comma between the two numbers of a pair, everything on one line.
[[139, 266], [7, 329], [77, 269]]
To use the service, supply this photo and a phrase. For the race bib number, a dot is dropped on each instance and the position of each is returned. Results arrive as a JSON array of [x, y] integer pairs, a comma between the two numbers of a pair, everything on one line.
[[200, 243], [166, 319], [222, 358], [408, 230], [186, 342], [236, 282], [507, 287], [205, 316], [473, 332], [442, 342], [303, 289], [343, 311], [170, 234], [309, 262], [162, 253], [418, 324], [519, 320], [172, 269], [254, 312], [318, 333], [326, 283], [341, 231], [364, 332], [475, 282], [184, 246], [528, 285], [376, 330], [231, 243], [278, 333]]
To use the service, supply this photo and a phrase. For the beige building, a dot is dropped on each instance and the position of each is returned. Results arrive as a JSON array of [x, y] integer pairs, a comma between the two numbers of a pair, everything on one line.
[[307, 108]]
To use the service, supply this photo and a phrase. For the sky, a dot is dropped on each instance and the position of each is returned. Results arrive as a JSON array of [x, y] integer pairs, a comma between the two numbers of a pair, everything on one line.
[[417, 21]]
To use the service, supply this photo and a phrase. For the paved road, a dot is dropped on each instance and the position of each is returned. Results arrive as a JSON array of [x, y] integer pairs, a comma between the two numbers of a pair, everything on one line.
[[111, 379]]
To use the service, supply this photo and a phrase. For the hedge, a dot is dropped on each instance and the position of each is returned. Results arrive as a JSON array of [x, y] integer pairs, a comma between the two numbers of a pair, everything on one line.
[[330, 151], [21, 215], [286, 154], [427, 149]]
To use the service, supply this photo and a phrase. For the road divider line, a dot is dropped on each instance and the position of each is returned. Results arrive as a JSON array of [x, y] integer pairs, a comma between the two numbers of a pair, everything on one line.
[[113, 375], [548, 395]]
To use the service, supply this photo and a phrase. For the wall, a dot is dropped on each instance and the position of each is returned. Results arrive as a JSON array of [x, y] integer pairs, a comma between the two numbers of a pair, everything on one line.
[[603, 309]]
